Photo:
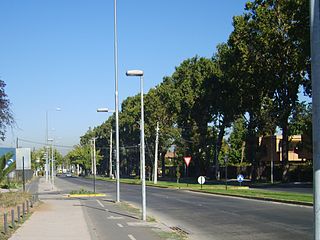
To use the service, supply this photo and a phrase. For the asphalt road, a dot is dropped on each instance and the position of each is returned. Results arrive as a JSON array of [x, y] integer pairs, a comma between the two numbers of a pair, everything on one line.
[[204, 216], [109, 221]]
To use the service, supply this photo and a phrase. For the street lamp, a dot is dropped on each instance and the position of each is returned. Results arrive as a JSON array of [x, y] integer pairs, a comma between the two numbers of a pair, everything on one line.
[[116, 99], [110, 156], [139, 73], [47, 168], [52, 160]]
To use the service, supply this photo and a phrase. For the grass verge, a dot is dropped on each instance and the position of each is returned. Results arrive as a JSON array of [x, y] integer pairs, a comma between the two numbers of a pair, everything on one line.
[[290, 197]]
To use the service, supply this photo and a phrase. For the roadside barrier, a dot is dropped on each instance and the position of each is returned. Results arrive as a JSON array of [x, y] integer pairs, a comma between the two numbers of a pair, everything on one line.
[[12, 220]]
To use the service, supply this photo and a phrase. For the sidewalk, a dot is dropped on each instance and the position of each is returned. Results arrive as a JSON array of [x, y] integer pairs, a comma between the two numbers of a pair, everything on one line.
[[56, 218]]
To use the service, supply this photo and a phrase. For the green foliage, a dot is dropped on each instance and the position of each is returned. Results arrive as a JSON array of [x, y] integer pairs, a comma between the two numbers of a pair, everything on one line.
[[81, 191], [3, 170], [237, 141], [300, 122]]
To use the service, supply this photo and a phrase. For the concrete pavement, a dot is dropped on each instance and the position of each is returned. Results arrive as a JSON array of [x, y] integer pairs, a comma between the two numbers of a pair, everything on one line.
[[56, 218]]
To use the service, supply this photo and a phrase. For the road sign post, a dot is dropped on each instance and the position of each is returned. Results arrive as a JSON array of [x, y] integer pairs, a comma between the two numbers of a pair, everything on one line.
[[226, 170], [201, 180], [187, 160], [240, 179]]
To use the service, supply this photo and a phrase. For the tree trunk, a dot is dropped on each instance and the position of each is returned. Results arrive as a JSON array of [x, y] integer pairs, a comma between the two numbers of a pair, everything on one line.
[[284, 153], [218, 149], [251, 143]]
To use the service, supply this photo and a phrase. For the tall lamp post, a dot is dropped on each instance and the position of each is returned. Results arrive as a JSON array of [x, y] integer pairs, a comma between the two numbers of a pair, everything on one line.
[[315, 71], [52, 162], [139, 73], [47, 168], [116, 100], [110, 154]]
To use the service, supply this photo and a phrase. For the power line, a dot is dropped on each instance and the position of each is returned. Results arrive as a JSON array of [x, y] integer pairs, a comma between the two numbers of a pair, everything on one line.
[[41, 143]]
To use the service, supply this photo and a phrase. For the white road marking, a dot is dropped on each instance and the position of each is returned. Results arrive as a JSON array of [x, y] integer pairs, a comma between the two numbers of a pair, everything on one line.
[[100, 203], [131, 237], [120, 225], [116, 218]]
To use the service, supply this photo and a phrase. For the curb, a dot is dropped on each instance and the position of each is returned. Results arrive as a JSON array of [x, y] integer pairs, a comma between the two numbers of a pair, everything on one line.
[[86, 195]]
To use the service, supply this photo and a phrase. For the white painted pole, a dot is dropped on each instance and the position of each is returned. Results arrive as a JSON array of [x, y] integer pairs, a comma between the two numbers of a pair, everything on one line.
[[52, 162], [156, 156], [315, 71], [144, 207], [47, 158], [110, 155], [116, 101], [94, 165]]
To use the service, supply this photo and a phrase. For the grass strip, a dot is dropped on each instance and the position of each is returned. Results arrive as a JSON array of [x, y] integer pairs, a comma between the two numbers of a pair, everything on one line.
[[232, 190]]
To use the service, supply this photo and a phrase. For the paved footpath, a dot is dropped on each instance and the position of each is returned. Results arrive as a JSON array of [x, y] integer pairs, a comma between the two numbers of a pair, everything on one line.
[[54, 219], [59, 217]]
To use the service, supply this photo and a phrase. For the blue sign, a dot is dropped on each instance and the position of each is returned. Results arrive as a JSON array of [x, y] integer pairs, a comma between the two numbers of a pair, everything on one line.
[[240, 178]]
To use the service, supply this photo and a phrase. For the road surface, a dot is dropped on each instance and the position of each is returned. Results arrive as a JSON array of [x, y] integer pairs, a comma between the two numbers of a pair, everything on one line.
[[204, 216]]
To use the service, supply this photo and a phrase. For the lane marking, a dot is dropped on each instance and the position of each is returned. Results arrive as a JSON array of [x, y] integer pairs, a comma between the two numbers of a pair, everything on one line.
[[115, 218], [120, 225], [100, 203], [131, 237]]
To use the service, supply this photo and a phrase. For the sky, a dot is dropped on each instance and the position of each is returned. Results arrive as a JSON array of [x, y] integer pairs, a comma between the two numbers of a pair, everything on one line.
[[60, 54]]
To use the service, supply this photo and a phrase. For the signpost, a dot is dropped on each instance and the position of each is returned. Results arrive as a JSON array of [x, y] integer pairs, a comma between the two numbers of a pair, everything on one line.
[[187, 160], [240, 179], [201, 180]]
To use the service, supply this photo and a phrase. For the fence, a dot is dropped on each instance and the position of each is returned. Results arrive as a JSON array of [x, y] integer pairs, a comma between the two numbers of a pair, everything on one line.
[[16, 216]]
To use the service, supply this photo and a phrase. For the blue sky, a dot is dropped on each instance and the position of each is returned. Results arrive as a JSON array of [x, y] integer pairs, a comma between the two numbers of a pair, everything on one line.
[[59, 53]]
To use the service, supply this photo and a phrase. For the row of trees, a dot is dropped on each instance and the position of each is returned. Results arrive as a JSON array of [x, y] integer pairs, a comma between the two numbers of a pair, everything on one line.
[[249, 87]]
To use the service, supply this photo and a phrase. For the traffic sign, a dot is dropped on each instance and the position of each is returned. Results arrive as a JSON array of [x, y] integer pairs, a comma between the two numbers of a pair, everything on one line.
[[240, 178], [187, 160], [201, 180]]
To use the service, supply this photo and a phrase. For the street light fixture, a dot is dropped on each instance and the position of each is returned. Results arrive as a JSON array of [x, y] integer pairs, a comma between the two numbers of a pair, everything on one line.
[[110, 156], [139, 73]]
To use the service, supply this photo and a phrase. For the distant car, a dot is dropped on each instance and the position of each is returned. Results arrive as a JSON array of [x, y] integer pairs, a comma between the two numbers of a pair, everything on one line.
[[68, 175]]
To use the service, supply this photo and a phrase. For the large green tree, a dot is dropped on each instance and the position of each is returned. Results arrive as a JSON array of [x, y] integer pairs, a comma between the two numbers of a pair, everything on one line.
[[192, 85], [271, 48]]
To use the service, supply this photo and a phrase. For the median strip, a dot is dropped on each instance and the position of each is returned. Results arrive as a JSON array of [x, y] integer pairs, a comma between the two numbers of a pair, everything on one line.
[[234, 191], [86, 195]]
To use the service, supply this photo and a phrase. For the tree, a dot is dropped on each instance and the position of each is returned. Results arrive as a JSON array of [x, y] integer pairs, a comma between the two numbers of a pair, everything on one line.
[[225, 96], [191, 83], [270, 45], [6, 117], [81, 155]]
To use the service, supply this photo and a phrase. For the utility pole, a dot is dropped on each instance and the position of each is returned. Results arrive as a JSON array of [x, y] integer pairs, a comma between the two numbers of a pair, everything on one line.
[[94, 164], [91, 155], [272, 147], [156, 156], [110, 156], [315, 76], [23, 176], [52, 161]]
